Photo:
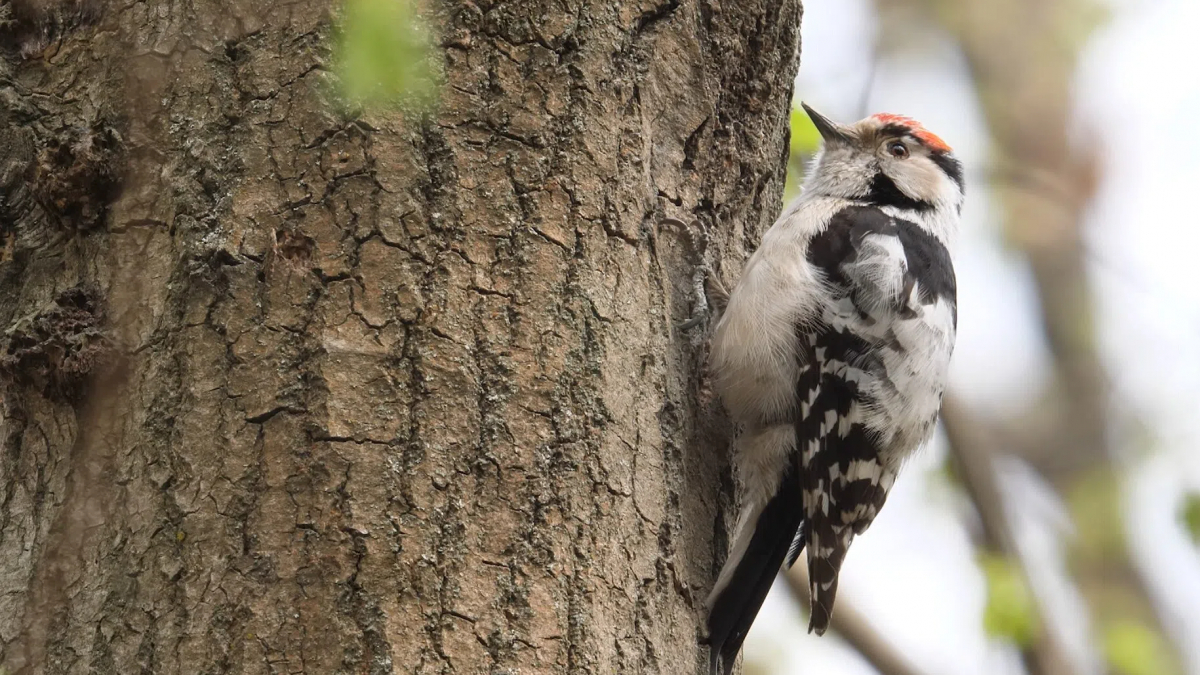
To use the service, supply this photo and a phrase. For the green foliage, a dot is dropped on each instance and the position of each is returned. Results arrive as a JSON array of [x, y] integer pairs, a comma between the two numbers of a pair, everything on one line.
[[385, 55], [1010, 612], [1189, 514], [1095, 504], [805, 141], [805, 137], [1132, 648]]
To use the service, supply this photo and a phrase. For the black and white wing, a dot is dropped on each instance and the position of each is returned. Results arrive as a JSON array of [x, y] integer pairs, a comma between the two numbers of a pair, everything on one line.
[[873, 372]]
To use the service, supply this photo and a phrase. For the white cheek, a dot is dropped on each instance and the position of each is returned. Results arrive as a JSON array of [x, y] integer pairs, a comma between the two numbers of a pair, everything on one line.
[[919, 178]]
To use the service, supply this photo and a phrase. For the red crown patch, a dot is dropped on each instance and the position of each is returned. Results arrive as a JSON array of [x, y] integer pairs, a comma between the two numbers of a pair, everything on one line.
[[926, 136]]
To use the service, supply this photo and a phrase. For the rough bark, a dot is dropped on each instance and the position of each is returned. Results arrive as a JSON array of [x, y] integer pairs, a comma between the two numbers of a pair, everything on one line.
[[288, 389]]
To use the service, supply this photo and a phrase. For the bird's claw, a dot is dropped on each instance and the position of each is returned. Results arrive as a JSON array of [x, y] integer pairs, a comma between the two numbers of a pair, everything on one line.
[[707, 289], [700, 311]]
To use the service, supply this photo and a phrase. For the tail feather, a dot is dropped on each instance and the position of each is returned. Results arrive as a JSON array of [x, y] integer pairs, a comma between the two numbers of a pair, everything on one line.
[[826, 552], [734, 604], [796, 547]]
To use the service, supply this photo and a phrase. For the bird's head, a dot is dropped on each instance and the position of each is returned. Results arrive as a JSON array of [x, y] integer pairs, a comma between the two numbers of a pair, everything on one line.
[[885, 159]]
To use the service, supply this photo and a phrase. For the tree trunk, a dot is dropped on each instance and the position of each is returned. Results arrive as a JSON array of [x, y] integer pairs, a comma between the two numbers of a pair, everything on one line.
[[291, 390]]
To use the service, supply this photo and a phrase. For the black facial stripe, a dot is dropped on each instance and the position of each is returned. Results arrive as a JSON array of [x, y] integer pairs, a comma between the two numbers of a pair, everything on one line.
[[885, 192], [950, 166]]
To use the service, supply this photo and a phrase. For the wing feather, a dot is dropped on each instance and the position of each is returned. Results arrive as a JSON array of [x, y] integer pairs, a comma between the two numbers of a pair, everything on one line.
[[881, 272]]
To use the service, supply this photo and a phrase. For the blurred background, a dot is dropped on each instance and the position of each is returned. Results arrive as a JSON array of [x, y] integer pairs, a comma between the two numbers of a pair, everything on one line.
[[1052, 526]]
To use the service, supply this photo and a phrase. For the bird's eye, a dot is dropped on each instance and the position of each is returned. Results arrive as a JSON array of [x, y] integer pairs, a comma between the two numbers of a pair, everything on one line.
[[897, 149]]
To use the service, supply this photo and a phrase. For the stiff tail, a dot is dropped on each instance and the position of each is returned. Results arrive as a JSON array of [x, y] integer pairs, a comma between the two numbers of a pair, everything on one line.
[[826, 552], [761, 546]]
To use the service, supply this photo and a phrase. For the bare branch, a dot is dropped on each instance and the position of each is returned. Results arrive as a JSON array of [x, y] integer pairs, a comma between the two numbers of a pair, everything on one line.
[[973, 446], [856, 630]]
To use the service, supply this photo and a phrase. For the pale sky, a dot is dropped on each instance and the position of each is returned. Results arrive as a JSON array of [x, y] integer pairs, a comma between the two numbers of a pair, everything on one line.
[[913, 573]]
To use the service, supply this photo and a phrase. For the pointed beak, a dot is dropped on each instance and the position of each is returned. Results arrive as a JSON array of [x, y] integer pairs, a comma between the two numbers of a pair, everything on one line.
[[831, 131]]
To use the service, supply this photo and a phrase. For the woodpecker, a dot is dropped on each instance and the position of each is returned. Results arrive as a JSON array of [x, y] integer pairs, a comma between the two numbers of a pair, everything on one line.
[[831, 358]]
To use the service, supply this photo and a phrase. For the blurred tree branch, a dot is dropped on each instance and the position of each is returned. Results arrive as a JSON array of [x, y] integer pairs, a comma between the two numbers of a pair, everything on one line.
[[1022, 56], [855, 629], [974, 449]]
